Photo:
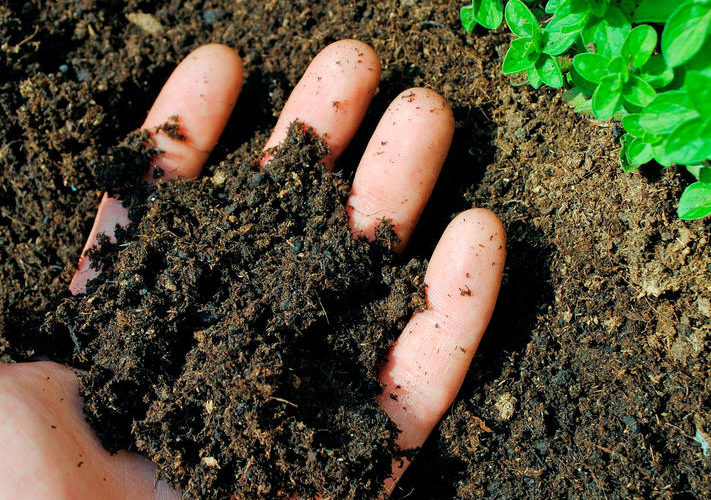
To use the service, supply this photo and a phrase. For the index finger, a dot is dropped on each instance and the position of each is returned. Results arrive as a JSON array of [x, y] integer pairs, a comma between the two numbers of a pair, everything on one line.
[[200, 94]]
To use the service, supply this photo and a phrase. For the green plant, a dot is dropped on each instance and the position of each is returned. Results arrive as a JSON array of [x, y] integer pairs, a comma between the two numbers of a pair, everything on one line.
[[644, 62], [488, 13]]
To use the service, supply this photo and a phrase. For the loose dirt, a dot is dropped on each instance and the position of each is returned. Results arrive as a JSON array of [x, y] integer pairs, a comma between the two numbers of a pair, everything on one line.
[[593, 379], [235, 334]]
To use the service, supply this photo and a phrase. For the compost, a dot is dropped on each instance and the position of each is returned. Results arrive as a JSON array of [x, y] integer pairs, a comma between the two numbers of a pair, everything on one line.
[[593, 379]]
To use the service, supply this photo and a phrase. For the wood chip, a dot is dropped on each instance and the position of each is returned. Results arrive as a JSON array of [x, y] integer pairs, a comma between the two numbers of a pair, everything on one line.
[[146, 22], [211, 462]]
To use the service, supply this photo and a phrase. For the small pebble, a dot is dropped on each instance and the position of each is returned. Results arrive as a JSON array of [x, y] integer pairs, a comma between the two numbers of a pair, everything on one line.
[[83, 75], [211, 16], [631, 423]]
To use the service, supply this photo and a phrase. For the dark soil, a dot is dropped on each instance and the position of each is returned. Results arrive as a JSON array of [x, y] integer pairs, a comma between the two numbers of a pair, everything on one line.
[[592, 381], [236, 334]]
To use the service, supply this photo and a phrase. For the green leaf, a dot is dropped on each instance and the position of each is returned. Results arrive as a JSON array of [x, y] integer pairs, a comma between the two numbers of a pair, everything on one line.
[[624, 163], [690, 142], [632, 126], [573, 15], [549, 71], [533, 77], [579, 83], [638, 92], [520, 20], [520, 56], [702, 59], [656, 72], [592, 67], [552, 6], [685, 32], [618, 66], [698, 88], [488, 13], [608, 33], [695, 201], [607, 97], [666, 112], [638, 152], [575, 98], [649, 11], [467, 16], [491, 13], [701, 172], [660, 155], [634, 152], [555, 41], [599, 7], [639, 45]]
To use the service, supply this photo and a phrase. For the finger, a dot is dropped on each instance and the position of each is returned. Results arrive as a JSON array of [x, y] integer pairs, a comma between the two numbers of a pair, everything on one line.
[[401, 164], [111, 213], [201, 93], [428, 363], [332, 96], [48, 447]]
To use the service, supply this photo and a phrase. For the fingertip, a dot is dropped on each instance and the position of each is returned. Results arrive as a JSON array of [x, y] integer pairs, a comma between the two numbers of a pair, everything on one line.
[[364, 52], [220, 52], [228, 63], [222, 55], [429, 102], [200, 94], [210, 75], [468, 263], [481, 225]]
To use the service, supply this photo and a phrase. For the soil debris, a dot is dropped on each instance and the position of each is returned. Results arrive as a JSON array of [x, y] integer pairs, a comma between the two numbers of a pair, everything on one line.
[[602, 280], [237, 330]]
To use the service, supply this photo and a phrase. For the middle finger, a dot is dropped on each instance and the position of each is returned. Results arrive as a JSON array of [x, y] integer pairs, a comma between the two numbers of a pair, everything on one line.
[[332, 96]]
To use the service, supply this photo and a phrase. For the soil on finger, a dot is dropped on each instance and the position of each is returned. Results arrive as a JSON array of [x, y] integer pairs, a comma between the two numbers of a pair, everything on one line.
[[235, 334], [593, 379]]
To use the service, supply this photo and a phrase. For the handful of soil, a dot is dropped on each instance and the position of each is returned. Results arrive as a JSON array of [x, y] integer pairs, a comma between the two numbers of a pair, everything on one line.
[[235, 334]]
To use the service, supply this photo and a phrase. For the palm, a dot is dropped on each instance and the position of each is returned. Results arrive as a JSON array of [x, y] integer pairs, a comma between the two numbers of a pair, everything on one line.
[[48, 447], [49, 451]]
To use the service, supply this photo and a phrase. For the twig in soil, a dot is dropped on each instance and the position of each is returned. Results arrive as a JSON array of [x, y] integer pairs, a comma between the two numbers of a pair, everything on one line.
[[323, 309], [282, 400], [409, 493], [679, 429], [74, 338], [16, 48]]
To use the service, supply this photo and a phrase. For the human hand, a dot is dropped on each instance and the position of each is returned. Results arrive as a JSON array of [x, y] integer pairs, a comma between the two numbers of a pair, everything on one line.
[[48, 450]]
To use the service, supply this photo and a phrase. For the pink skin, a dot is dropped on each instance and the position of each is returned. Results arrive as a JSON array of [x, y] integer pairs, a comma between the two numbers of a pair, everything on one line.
[[397, 173], [333, 95], [401, 163]]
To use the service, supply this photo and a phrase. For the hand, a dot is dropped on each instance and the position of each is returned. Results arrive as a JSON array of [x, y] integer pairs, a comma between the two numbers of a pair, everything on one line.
[[49, 451]]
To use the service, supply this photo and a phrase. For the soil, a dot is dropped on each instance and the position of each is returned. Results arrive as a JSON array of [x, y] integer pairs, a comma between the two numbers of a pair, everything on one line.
[[235, 334], [593, 379]]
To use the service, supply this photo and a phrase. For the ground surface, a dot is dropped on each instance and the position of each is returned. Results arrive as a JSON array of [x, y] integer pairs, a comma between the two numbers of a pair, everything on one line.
[[594, 378]]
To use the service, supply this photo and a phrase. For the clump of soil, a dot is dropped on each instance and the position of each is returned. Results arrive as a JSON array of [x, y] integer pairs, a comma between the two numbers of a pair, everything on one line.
[[236, 334], [592, 380]]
